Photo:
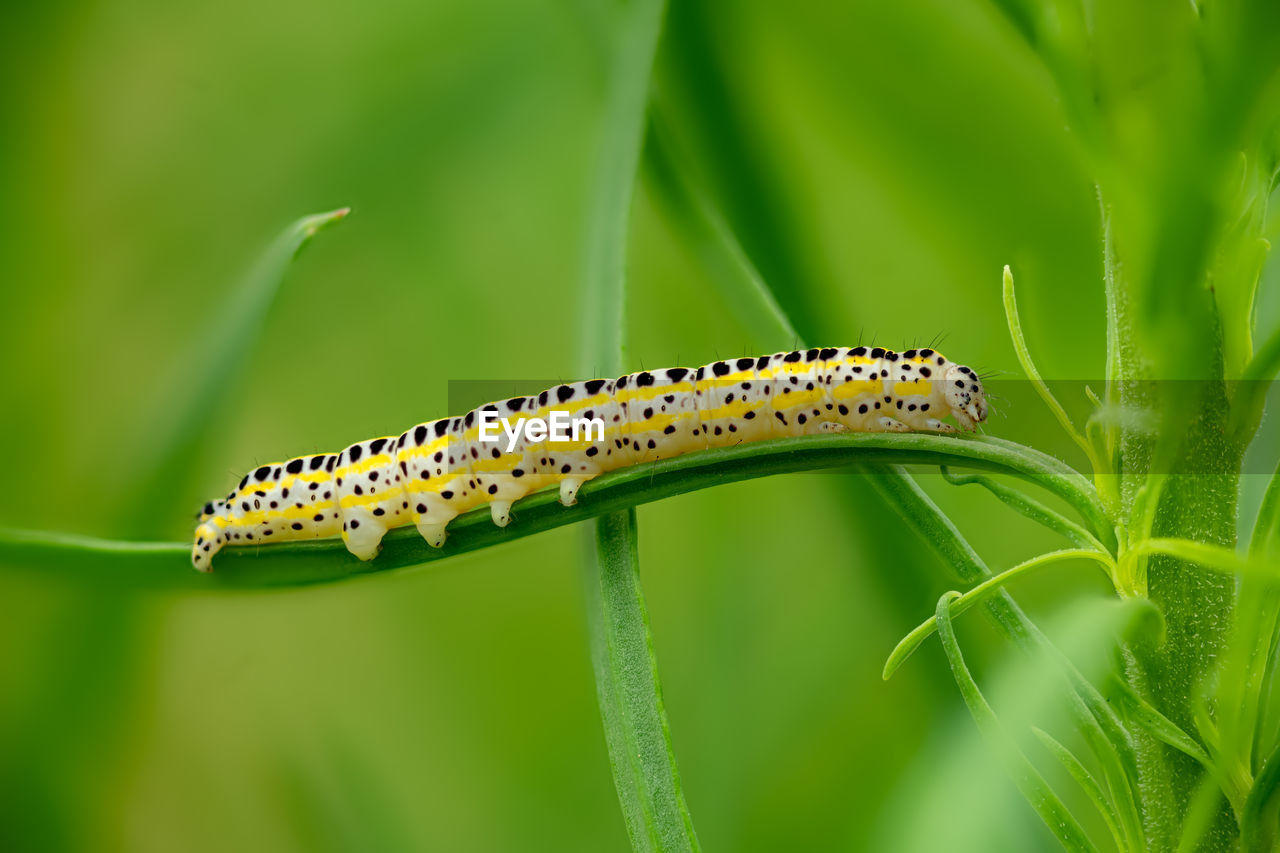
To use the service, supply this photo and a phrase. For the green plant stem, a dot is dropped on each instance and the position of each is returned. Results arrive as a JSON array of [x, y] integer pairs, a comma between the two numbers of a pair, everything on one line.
[[1101, 471], [157, 565], [1028, 507], [1076, 769], [627, 684], [635, 721], [1055, 815], [1098, 722], [982, 592]]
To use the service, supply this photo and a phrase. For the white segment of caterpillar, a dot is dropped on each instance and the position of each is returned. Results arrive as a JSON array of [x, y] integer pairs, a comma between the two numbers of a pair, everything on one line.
[[439, 469]]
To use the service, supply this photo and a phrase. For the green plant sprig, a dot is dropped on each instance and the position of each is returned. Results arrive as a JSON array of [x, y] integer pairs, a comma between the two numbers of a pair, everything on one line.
[[985, 590], [1056, 816], [1097, 451], [157, 566]]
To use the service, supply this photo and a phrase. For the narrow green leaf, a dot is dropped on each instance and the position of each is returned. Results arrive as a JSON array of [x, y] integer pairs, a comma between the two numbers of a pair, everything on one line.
[[1101, 727], [604, 268], [982, 592], [928, 521], [1217, 557], [1201, 813], [1111, 285], [635, 721], [1265, 539], [1258, 827], [1029, 507], [1164, 729], [1029, 367], [1143, 714], [185, 415], [1042, 798], [1251, 393], [1247, 668], [696, 221], [627, 684], [1076, 769], [698, 90], [1264, 544]]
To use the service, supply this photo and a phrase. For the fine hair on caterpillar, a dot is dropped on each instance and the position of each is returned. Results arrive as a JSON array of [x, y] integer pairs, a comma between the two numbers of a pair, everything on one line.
[[571, 433]]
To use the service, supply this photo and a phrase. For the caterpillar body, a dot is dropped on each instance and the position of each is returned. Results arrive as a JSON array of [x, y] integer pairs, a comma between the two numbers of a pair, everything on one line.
[[438, 469]]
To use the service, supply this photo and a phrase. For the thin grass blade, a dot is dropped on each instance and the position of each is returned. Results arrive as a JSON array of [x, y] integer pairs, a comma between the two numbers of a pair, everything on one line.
[[1028, 507], [184, 417], [627, 684], [1076, 769], [1042, 798]]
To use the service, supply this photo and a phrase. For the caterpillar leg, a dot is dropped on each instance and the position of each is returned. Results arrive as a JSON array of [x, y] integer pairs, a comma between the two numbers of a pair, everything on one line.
[[832, 427], [432, 531], [501, 512], [569, 490], [888, 424], [966, 422], [362, 532], [938, 426]]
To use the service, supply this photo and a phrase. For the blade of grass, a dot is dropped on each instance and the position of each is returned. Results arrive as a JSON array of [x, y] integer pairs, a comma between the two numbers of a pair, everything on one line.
[[695, 220], [1102, 474], [1028, 507], [698, 89], [982, 592], [1265, 539], [1034, 788], [1111, 284], [1247, 668], [102, 653], [627, 684], [1264, 543], [1076, 769], [635, 721], [1202, 811], [184, 417], [1217, 557], [1258, 821], [1251, 392]]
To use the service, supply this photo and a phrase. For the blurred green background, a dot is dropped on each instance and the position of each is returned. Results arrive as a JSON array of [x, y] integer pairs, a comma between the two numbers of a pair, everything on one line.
[[151, 149]]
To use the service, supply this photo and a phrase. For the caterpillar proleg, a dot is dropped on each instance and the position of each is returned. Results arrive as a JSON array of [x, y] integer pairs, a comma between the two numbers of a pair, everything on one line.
[[438, 469]]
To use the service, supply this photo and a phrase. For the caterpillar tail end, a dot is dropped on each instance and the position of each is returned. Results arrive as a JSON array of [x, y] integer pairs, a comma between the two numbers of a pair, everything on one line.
[[209, 541]]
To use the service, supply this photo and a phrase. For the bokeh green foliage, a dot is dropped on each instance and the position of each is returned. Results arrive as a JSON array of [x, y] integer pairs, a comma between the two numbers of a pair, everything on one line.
[[889, 160]]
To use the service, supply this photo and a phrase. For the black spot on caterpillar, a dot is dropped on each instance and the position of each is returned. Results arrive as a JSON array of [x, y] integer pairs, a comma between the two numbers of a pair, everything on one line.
[[435, 470]]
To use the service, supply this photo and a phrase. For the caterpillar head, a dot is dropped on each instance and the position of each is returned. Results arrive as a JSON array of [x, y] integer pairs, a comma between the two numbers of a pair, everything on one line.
[[963, 392]]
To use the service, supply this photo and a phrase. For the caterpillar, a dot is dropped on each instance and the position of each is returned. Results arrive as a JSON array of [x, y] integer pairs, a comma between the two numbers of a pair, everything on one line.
[[436, 470]]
